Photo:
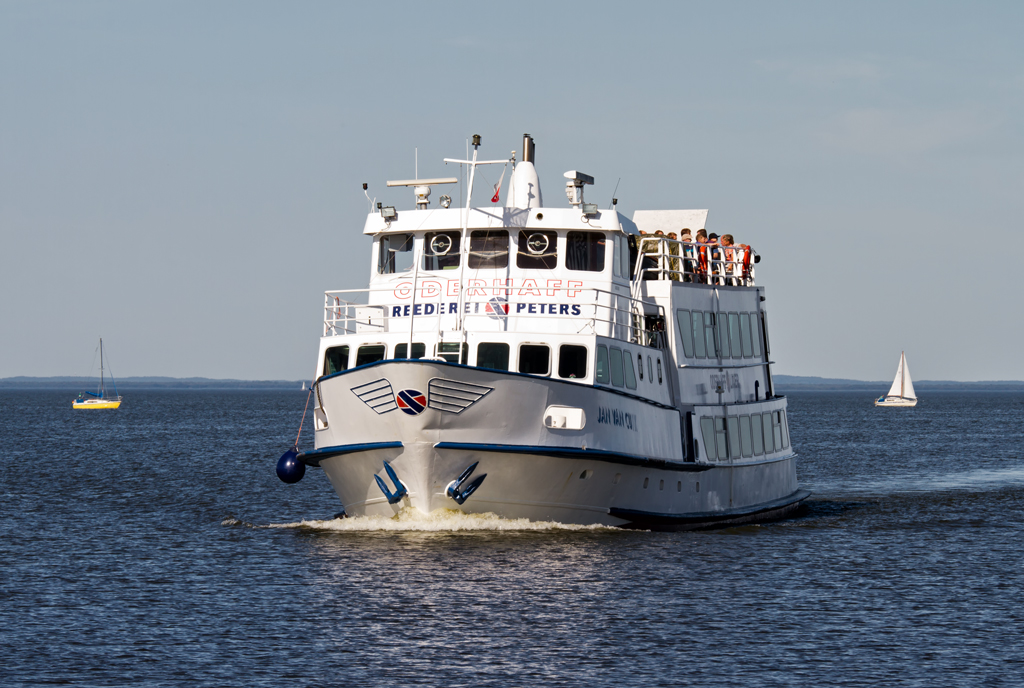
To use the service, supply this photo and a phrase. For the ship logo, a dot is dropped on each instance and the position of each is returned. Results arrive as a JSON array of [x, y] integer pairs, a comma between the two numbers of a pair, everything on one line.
[[377, 395], [497, 308], [453, 396], [411, 401]]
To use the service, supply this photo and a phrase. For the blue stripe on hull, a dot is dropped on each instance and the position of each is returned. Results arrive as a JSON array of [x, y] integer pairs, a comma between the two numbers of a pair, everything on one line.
[[659, 521], [575, 453], [313, 458]]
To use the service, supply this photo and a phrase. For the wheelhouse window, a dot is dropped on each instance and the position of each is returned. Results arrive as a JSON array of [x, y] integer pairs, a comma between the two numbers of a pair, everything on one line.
[[335, 359], [769, 437], [601, 373], [707, 430], [757, 434], [441, 250], [395, 253], [419, 350], [370, 353], [745, 437], [493, 355], [627, 368], [755, 334], [488, 248], [453, 352], [734, 335], [572, 361], [699, 343], [685, 326], [537, 250], [534, 359], [722, 329], [732, 423], [640, 366], [616, 366], [585, 251], [748, 349], [709, 334]]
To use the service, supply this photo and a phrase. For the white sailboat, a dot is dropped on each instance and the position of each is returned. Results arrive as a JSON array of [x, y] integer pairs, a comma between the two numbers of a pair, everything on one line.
[[902, 391]]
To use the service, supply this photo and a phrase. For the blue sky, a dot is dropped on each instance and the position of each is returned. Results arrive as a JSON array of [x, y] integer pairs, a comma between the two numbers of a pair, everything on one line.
[[184, 179]]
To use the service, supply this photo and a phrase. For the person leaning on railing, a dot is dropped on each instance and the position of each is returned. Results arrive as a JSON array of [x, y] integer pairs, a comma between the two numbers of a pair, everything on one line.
[[674, 264], [648, 247], [702, 255], [689, 264]]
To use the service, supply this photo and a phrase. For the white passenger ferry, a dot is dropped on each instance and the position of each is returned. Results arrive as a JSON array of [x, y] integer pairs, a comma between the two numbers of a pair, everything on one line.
[[551, 363]]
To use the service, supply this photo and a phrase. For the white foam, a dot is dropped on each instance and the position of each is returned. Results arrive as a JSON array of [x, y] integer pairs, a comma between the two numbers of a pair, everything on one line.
[[410, 519]]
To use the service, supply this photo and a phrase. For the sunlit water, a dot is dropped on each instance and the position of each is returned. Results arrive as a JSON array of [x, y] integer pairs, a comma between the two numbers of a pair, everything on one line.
[[153, 545]]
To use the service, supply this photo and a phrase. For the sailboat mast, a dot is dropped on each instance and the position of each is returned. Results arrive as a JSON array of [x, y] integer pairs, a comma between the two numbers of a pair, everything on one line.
[[101, 367], [902, 374]]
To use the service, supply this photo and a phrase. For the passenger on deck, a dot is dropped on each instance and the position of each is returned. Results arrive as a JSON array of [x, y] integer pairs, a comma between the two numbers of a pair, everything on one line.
[[714, 258], [702, 255], [648, 247], [675, 265], [729, 256], [688, 255]]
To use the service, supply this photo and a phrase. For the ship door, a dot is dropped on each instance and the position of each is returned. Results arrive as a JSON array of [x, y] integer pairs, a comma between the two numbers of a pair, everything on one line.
[[654, 326]]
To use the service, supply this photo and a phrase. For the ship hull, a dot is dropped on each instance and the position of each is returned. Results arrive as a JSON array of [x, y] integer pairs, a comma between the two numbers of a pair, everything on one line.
[[896, 401], [551, 451]]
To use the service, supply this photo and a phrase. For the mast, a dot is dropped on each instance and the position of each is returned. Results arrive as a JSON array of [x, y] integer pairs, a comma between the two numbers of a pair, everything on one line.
[[101, 367], [903, 374]]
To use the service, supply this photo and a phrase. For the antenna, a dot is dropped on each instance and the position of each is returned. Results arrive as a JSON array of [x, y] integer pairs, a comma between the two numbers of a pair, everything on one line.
[[417, 171], [368, 196], [615, 200]]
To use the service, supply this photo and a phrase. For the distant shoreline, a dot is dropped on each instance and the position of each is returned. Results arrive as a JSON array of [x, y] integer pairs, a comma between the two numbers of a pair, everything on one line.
[[798, 383], [76, 384], [783, 384]]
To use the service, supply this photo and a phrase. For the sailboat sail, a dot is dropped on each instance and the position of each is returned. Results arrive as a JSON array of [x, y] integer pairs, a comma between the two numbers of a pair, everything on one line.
[[902, 386], [908, 384]]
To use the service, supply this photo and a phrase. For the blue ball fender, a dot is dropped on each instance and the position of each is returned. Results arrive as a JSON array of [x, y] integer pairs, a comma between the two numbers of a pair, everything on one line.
[[289, 468]]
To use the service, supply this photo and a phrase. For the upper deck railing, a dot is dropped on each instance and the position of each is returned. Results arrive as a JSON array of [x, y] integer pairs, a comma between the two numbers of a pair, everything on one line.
[[662, 258]]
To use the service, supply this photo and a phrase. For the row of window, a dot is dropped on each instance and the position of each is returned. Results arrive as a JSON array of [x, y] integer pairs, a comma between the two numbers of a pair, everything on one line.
[[489, 249], [709, 334], [614, 365], [732, 437]]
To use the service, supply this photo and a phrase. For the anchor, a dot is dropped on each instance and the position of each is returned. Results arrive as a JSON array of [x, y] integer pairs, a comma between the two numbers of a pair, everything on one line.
[[455, 491], [400, 490]]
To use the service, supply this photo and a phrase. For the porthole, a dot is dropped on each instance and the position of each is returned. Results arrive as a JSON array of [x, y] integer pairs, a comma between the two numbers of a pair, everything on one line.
[[618, 477], [661, 484], [586, 474], [679, 486], [640, 366], [646, 482], [698, 486], [659, 371]]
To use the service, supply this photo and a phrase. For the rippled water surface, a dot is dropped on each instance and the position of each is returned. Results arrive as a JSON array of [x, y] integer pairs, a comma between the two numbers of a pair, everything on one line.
[[153, 545]]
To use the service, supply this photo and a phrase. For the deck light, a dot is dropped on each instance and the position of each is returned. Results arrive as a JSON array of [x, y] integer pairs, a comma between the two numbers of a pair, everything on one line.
[[446, 201], [388, 212], [590, 208]]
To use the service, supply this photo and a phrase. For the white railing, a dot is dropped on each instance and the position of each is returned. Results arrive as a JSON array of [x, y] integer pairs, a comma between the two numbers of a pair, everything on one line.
[[597, 311], [662, 258]]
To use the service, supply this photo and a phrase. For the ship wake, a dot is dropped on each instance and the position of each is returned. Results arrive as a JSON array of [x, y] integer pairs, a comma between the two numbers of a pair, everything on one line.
[[440, 521]]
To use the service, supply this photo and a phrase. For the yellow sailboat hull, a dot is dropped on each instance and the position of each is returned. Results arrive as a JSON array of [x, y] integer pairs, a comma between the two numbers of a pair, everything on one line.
[[96, 404]]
